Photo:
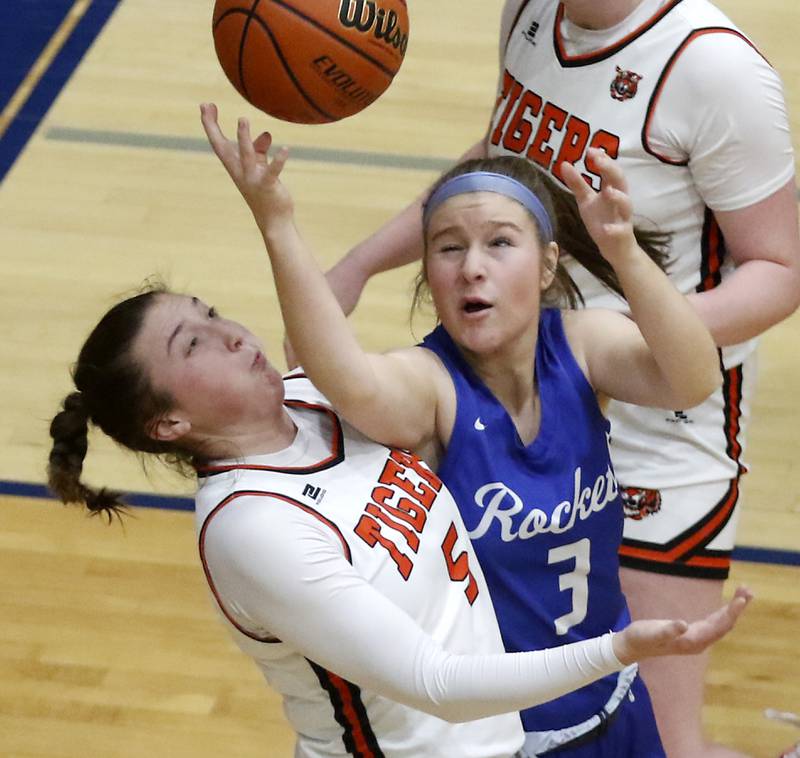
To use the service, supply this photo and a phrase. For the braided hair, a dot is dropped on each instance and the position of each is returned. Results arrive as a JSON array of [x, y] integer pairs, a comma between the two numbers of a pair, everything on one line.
[[113, 393]]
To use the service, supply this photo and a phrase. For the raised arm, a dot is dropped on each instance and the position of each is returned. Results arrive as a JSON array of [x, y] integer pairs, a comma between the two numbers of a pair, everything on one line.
[[391, 398], [665, 357]]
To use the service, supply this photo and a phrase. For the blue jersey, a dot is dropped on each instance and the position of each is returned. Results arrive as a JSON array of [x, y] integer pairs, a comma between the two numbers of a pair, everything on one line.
[[545, 518]]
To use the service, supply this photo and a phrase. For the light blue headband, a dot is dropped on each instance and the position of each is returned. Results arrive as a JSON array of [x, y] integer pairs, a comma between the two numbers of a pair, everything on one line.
[[487, 181]]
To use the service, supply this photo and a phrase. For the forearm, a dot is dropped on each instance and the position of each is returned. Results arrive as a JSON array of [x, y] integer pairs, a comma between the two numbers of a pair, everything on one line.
[[679, 342], [395, 244], [756, 296], [398, 242], [462, 688], [314, 320]]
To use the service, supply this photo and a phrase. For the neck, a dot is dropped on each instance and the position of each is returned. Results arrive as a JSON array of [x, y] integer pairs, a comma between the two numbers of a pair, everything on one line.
[[515, 388], [598, 14], [262, 438], [510, 376]]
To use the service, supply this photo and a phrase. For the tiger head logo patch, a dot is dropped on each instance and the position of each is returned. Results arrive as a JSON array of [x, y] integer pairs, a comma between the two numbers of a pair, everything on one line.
[[638, 503], [625, 84]]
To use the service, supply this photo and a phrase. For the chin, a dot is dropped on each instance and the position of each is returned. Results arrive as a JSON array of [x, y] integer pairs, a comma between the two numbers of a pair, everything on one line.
[[477, 344]]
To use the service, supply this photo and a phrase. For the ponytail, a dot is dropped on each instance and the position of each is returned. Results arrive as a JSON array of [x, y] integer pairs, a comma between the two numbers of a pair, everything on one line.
[[69, 430]]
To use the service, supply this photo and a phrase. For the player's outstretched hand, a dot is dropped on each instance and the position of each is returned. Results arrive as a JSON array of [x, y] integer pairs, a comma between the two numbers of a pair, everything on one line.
[[652, 637], [607, 214], [248, 164]]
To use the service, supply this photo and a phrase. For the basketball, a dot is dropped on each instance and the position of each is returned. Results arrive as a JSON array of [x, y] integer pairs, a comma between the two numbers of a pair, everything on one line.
[[310, 61]]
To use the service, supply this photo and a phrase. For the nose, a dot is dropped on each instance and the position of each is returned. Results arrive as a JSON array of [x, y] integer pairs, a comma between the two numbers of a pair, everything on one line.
[[472, 265], [232, 339], [234, 342]]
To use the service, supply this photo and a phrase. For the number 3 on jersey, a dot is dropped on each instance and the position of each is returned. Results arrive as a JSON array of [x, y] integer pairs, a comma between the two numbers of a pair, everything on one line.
[[576, 580], [458, 567]]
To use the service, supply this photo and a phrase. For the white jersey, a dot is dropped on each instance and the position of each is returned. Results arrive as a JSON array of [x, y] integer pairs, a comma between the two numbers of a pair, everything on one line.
[[696, 117], [343, 568]]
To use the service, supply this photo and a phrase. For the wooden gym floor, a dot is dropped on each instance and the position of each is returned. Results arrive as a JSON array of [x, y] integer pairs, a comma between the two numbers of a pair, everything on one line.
[[109, 646]]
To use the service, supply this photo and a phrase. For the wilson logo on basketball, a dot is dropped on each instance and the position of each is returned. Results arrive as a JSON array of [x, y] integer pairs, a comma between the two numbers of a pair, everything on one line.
[[365, 16], [310, 61]]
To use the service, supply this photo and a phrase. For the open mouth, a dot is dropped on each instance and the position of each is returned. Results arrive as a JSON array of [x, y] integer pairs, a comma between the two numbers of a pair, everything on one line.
[[475, 306]]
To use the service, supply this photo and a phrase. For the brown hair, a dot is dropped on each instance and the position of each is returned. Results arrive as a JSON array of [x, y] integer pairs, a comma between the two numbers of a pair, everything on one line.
[[569, 231], [113, 393]]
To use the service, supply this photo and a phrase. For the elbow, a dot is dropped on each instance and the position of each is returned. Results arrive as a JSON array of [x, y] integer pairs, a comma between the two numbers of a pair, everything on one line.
[[698, 381], [698, 389], [703, 392]]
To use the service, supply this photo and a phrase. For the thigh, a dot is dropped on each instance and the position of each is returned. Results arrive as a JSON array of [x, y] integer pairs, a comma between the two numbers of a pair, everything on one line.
[[676, 683]]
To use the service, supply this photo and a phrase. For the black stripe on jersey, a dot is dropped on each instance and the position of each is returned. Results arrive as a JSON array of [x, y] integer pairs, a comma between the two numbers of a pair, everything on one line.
[[712, 253], [349, 711], [334, 459], [673, 569], [727, 501], [257, 493], [606, 52], [732, 380]]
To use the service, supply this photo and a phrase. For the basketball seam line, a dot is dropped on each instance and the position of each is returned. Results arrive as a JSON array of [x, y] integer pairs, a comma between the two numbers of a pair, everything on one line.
[[278, 52]]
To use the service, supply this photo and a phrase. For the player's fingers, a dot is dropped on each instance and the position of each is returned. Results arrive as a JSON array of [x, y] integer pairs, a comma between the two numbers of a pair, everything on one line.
[[715, 626], [279, 161], [574, 181], [247, 152], [208, 117], [622, 202], [739, 602], [262, 143], [610, 171]]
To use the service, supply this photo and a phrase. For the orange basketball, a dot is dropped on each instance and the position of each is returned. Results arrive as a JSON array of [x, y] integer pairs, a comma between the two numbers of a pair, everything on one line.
[[310, 61]]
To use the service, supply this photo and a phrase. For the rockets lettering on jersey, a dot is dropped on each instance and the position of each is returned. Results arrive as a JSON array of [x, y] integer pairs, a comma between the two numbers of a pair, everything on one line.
[[500, 502]]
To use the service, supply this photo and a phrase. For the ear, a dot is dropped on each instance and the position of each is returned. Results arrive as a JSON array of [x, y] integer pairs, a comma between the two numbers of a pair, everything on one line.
[[549, 263], [169, 428]]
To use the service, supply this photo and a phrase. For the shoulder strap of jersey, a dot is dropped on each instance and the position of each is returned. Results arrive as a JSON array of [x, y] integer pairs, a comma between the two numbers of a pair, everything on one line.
[[514, 23]]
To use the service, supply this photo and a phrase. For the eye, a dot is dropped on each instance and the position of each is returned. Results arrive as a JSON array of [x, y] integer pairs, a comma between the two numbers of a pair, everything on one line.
[[191, 346], [500, 242], [449, 247]]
